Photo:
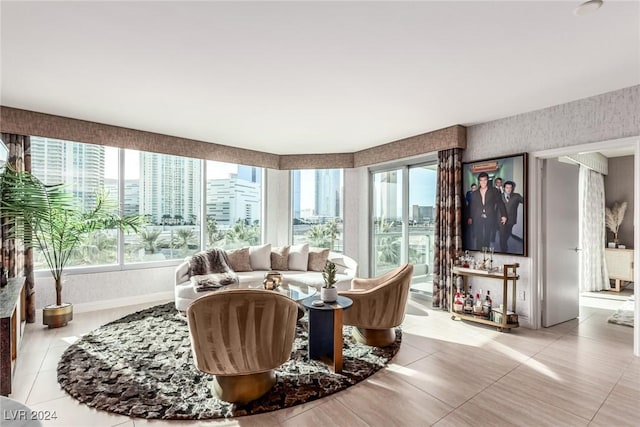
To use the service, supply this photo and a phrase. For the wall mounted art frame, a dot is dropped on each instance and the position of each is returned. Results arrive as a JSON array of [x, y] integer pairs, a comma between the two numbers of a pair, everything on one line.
[[495, 209]]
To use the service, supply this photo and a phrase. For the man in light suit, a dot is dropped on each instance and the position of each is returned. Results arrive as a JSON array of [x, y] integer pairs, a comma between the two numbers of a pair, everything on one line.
[[511, 202]]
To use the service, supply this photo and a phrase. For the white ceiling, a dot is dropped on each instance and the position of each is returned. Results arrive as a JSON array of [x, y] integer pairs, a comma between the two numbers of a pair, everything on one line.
[[310, 77]]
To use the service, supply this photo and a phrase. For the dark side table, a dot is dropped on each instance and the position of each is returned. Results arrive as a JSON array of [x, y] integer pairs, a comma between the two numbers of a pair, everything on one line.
[[325, 330]]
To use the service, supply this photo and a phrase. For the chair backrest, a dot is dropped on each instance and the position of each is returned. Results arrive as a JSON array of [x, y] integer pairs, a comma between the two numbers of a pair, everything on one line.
[[241, 331], [397, 292], [383, 306]]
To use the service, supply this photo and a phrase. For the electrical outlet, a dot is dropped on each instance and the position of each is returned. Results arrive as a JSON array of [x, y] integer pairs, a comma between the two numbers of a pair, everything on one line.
[[521, 295]]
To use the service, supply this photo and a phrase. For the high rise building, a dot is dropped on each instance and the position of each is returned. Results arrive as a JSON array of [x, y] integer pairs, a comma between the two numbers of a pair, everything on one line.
[[77, 165], [388, 207], [131, 197], [231, 199], [169, 187], [328, 185], [250, 174]]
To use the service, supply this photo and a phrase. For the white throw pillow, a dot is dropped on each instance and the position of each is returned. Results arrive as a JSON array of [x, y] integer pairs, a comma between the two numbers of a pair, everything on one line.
[[299, 257], [260, 257]]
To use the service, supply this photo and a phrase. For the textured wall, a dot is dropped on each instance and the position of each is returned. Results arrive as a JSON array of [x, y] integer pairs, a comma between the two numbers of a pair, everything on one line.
[[604, 117], [316, 161], [25, 122], [277, 207], [600, 118], [442, 139], [618, 187], [82, 288]]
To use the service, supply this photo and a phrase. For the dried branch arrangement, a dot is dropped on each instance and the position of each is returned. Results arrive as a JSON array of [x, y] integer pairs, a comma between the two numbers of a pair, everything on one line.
[[614, 217]]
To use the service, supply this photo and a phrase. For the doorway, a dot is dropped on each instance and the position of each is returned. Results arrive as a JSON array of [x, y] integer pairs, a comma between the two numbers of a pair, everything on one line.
[[543, 305]]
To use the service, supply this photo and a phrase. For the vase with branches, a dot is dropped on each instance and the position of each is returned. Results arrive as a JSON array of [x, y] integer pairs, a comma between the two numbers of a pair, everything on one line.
[[614, 217]]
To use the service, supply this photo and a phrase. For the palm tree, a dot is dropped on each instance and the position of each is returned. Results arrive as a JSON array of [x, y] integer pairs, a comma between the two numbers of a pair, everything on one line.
[[243, 233], [323, 235], [149, 240], [331, 230], [96, 248], [183, 238], [50, 218], [213, 233], [317, 236]]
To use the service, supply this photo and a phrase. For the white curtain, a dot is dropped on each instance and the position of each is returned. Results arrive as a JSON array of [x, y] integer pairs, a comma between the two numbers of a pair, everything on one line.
[[593, 268]]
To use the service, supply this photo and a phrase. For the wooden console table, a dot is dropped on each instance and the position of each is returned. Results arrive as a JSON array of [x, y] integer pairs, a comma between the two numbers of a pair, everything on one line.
[[620, 266], [12, 322]]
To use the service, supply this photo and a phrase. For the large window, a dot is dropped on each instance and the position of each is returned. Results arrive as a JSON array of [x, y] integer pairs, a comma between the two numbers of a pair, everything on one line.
[[318, 208], [403, 202], [388, 203], [86, 170], [166, 190]]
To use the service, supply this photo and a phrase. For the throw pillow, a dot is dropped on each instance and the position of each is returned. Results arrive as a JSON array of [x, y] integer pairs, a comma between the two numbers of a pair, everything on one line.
[[280, 258], [299, 257], [260, 257], [239, 259], [317, 259]]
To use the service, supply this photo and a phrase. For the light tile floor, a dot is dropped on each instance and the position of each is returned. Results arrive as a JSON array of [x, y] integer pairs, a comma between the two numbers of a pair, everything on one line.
[[447, 373]]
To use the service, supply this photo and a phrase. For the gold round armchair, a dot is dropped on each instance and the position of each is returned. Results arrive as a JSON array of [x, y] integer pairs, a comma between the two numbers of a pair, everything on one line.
[[241, 336], [379, 306]]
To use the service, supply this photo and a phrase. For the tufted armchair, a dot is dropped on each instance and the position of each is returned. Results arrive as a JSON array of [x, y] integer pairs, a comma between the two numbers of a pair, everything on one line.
[[241, 336], [378, 306]]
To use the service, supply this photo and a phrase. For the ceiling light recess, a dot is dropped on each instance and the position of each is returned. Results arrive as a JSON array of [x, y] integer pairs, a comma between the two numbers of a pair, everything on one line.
[[588, 7]]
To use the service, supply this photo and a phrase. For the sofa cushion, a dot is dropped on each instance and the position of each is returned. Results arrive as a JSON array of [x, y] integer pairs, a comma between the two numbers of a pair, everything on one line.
[[280, 258], [260, 257], [317, 259], [299, 257], [239, 259]]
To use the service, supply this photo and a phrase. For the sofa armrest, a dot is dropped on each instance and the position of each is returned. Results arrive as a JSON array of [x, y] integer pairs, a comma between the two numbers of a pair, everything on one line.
[[182, 273], [344, 264]]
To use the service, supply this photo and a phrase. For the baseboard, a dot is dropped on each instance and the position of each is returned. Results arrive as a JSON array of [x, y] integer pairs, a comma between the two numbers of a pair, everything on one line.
[[122, 302]]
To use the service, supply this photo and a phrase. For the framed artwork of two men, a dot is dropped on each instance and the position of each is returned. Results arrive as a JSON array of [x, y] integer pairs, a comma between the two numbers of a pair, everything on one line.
[[495, 205]]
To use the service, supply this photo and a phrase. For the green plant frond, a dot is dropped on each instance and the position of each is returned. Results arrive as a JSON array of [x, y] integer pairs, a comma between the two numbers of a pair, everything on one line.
[[48, 217]]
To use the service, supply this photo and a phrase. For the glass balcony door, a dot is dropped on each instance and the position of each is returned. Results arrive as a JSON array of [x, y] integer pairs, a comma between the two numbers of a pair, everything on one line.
[[388, 204], [422, 201], [403, 212]]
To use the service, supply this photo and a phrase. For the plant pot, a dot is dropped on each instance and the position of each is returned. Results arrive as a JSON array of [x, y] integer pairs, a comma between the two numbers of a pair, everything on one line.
[[329, 294], [57, 316]]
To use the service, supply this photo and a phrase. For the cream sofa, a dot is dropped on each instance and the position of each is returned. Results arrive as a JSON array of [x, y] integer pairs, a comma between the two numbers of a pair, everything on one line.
[[347, 269]]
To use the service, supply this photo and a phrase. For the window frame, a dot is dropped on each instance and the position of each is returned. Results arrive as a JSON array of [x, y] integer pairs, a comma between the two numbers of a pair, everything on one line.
[[121, 264], [404, 166]]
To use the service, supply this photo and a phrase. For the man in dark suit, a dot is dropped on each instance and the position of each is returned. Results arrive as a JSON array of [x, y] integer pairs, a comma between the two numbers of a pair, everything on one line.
[[486, 211], [511, 202]]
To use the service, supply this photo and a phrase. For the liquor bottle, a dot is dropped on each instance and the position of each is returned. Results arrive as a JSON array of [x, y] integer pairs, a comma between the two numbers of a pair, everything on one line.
[[458, 303], [468, 302], [486, 305], [477, 307]]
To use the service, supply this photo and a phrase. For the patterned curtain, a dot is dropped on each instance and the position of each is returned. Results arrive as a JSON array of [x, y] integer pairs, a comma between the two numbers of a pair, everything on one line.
[[594, 275], [448, 220], [14, 257]]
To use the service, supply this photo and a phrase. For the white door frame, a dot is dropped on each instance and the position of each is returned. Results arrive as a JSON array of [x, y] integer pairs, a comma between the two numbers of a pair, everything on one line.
[[536, 226]]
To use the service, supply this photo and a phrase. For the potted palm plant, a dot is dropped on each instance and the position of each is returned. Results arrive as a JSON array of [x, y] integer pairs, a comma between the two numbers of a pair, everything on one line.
[[49, 218], [328, 292]]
